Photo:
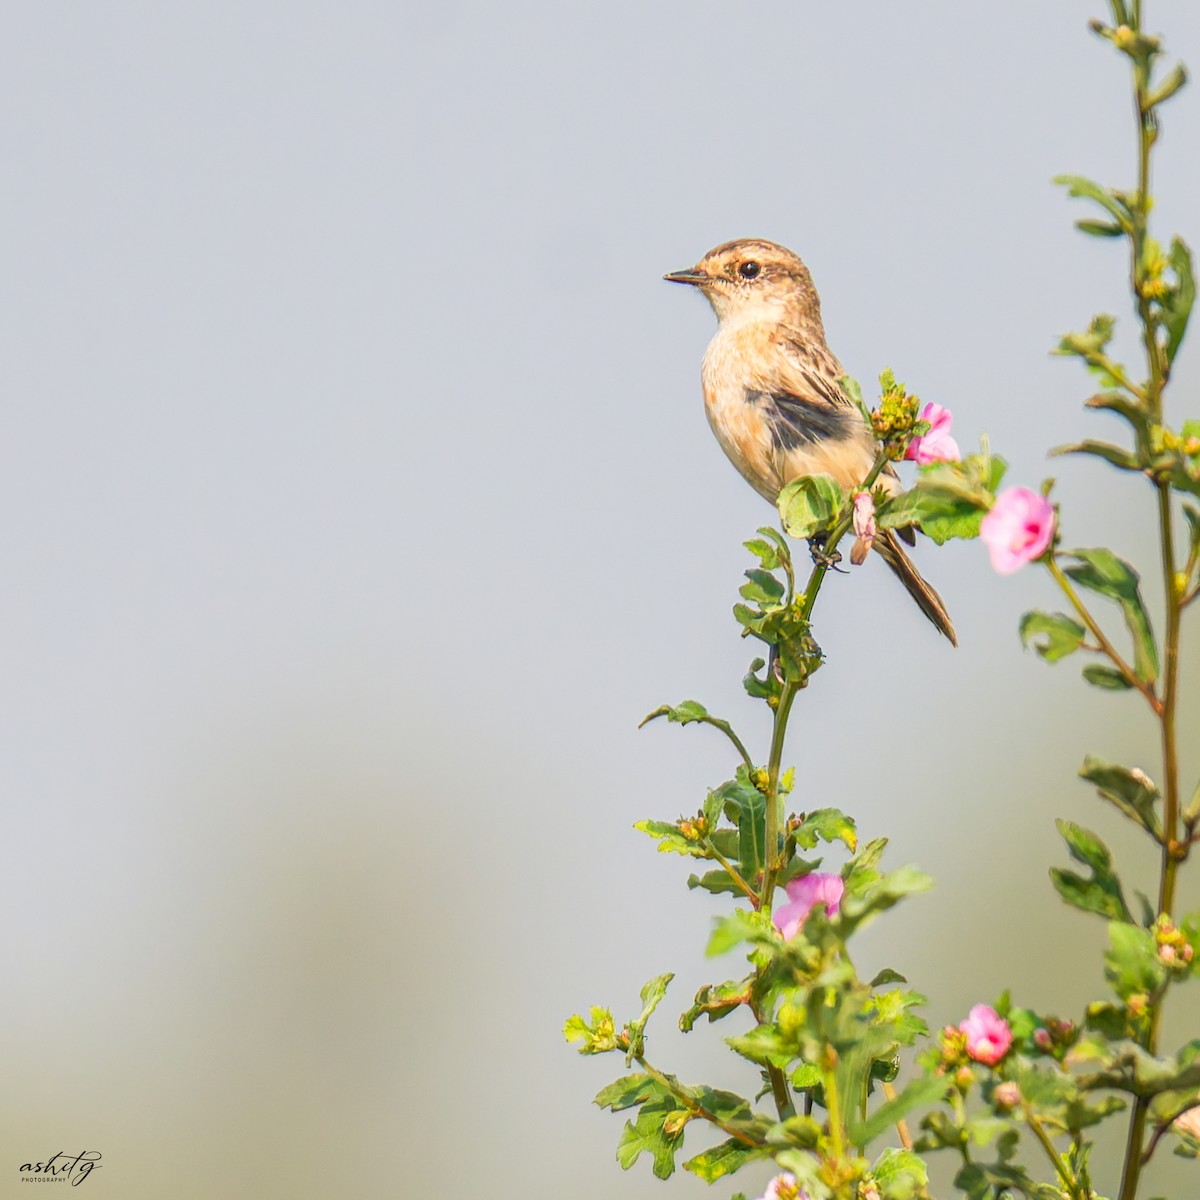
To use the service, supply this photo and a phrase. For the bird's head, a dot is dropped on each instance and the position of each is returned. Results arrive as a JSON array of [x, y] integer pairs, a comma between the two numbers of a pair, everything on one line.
[[752, 279]]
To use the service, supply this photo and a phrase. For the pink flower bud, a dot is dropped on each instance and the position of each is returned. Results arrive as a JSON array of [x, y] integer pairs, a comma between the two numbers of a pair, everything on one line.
[[1006, 1096], [804, 895], [1018, 529], [864, 527], [988, 1035], [937, 445]]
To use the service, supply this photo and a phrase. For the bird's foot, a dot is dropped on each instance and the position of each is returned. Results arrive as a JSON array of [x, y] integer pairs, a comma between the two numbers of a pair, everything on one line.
[[816, 547]]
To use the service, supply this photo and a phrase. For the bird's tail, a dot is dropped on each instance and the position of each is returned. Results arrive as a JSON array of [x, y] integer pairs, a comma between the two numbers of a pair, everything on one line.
[[929, 602]]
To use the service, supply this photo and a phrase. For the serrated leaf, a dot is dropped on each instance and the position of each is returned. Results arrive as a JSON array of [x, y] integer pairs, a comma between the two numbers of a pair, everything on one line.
[[763, 1044], [724, 1159], [827, 825], [646, 1135], [1129, 789], [900, 1174], [671, 840], [1101, 571], [717, 1001], [762, 588], [765, 552], [1101, 894], [1059, 634], [1131, 964], [651, 995]]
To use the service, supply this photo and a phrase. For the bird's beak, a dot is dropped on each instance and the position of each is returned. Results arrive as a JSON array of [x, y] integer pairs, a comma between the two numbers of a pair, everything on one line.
[[692, 275]]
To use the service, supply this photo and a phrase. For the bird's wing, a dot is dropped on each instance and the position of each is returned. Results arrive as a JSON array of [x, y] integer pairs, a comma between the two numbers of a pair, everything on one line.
[[810, 367]]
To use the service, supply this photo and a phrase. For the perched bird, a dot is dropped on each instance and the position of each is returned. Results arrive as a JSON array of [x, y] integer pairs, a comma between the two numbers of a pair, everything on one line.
[[771, 389]]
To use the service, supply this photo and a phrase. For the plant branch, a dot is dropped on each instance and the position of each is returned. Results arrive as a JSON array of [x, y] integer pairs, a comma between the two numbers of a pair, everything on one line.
[[685, 1097], [1123, 668]]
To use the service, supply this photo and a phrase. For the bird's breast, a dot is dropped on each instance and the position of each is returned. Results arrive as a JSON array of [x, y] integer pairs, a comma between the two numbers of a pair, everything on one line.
[[768, 427]]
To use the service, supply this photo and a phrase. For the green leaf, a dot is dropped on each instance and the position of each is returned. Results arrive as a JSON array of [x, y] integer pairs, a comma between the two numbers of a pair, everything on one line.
[[827, 825], [1104, 229], [716, 1001], [762, 589], [671, 839], [1131, 964], [1101, 571], [810, 504], [647, 1135], [752, 833], [628, 1091], [723, 1159], [1130, 790], [739, 926], [1101, 893], [690, 712], [1169, 86], [651, 996], [1107, 678], [1119, 457], [595, 1037], [900, 1174], [1060, 635], [886, 976], [718, 883], [1077, 185], [765, 552], [763, 1044], [849, 385], [1124, 406], [919, 1093], [863, 901], [1177, 305]]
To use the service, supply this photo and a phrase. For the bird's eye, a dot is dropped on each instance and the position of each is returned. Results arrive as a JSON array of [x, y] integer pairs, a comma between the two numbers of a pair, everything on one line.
[[749, 269]]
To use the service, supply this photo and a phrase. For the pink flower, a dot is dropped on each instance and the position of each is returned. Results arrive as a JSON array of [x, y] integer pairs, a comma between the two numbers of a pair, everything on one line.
[[1189, 1122], [1018, 529], [805, 894], [784, 1187], [937, 445], [988, 1035], [864, 527]]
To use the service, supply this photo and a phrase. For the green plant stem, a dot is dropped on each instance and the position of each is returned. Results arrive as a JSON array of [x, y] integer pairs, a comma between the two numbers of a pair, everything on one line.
[[788, 691], [1171, 851], [1156, 380], [1125, 670], [787, 697], [833, 1106], [1039, 1132], [734, 873]]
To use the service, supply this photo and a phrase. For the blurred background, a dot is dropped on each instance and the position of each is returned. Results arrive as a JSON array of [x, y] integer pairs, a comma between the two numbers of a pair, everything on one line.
[[358, 501]]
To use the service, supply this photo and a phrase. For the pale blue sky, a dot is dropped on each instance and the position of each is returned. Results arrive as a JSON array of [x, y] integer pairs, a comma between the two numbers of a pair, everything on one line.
[[358, 502]]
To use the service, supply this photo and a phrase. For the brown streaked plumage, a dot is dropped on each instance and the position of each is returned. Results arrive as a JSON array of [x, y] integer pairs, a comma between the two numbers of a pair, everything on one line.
[[771, 388]]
